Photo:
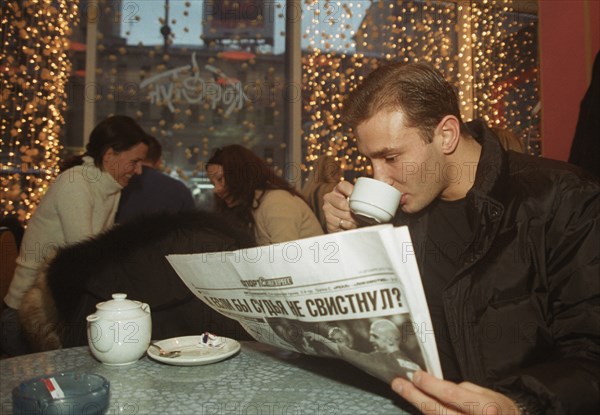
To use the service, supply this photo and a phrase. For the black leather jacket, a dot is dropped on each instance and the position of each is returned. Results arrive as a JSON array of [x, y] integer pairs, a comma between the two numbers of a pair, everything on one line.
[[524, 308]]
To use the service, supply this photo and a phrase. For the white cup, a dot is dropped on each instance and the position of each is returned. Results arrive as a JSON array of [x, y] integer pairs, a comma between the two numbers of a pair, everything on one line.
[[373, 201]]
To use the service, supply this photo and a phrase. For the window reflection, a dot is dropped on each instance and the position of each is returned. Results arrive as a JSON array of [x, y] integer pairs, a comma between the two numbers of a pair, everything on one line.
[[204, 74]]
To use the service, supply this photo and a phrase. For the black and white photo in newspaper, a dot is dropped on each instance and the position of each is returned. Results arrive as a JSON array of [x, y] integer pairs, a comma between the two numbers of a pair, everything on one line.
[[343, 295]]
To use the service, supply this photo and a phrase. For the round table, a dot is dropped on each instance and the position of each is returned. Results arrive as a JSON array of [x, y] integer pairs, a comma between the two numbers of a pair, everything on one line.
[[259, 380]]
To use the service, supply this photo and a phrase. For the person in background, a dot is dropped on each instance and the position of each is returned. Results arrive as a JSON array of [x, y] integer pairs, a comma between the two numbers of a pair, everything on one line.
[[80, 203], [340, 336], [321, 180], [585, 150], [153, 191], [261, 201], [513, 245], [386, 361], [509, 140]]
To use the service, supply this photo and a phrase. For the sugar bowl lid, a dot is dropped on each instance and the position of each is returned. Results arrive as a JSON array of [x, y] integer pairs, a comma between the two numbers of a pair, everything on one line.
[[118, 303]]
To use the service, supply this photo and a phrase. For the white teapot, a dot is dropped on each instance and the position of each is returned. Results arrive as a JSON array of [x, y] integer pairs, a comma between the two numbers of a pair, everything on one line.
[[120, 330]]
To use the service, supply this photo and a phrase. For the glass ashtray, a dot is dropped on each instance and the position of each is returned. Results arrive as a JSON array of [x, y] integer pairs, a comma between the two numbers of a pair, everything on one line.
[[62, 393]]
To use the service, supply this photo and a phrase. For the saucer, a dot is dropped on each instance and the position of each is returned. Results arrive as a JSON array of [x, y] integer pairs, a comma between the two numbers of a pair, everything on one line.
[[192, 354]]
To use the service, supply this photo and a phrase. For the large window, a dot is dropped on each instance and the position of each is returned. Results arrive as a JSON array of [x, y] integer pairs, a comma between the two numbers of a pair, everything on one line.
[[199, 75], [487, 49]]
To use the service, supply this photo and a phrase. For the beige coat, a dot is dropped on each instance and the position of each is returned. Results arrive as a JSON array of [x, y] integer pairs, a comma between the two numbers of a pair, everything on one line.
[[281, 217]]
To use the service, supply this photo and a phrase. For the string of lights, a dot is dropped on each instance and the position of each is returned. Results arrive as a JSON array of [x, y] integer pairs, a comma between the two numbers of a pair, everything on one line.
[[34, 68], [486, 49]]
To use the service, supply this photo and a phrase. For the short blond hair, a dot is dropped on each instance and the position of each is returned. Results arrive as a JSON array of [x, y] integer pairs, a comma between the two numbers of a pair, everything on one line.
[[509, 140]]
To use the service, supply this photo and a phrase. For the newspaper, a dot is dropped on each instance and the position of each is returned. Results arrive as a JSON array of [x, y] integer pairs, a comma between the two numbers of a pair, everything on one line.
[[355, 295]]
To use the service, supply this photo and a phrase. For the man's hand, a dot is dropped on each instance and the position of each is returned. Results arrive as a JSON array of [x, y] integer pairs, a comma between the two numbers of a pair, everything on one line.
[[314, 337], [337, 208], [431, 395]]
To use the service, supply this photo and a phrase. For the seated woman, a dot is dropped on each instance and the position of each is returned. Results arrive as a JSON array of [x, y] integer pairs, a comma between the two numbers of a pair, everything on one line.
[[261, 201], [80, 203], [326, 174]]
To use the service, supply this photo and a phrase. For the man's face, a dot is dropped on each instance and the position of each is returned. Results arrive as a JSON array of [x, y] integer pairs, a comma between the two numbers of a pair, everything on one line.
[[401, 158], [378, 342], [123, 165], [378, 339]]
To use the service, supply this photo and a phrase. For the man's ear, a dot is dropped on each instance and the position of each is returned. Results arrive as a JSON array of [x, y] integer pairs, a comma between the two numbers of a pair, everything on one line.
[[449, 129]]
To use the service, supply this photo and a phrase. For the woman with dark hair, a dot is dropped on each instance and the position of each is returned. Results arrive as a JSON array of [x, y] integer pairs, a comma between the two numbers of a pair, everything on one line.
[[264, 202], [79, 204]]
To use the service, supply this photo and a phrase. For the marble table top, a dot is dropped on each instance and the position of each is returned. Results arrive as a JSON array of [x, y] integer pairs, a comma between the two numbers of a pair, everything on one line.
[[259, 380]]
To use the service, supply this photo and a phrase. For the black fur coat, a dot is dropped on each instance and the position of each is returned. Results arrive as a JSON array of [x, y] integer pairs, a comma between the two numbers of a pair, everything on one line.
[[130, 258]]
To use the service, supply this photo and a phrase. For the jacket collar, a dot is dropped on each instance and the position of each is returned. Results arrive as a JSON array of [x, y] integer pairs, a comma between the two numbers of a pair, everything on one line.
[[490, 175], [484, 210], [492, 169]]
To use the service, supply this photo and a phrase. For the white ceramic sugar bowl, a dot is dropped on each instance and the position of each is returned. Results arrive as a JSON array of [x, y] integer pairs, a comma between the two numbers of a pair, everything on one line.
[[120, 330]]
